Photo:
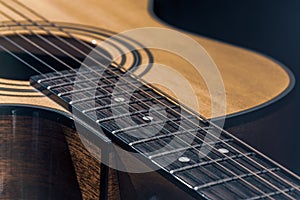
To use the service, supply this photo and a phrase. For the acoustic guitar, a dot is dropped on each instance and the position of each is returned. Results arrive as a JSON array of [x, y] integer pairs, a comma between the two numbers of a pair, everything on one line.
[[44, 154]]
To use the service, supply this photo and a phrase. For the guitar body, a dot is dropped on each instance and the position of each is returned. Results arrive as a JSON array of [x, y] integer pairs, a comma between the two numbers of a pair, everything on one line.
[[250, 79], [41, 151], [42, 154]]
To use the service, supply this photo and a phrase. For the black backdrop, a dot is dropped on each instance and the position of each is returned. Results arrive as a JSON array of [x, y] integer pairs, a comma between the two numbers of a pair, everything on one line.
[[271, 27]]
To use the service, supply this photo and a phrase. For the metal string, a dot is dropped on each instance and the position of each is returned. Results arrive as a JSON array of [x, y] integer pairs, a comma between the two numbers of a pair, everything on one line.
[[196, 149]]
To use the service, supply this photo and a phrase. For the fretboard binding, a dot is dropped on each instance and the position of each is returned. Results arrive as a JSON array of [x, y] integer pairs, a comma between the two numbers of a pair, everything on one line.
[[211, 162], [226, 180], [188, 147], [273, 193], [160, 136]]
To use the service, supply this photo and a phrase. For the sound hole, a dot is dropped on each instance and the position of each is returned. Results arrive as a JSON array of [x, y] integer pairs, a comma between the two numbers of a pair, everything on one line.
[[57, 54]]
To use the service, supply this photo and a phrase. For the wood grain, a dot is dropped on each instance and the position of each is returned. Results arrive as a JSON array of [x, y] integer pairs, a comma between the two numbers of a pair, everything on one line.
[[35, 161], [250, 79], [43, 156], [46, 158]]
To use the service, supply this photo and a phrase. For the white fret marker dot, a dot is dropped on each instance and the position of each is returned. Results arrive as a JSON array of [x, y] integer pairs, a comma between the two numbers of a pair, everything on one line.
[[119, 99], [184, 159], [94, 41], [147, 118], [222, 150]]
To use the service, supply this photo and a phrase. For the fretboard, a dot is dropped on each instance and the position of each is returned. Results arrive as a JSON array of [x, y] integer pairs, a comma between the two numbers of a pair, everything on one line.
[[164, 132]]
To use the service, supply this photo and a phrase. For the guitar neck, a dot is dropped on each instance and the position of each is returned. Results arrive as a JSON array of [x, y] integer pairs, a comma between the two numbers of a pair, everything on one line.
[[192, 151]]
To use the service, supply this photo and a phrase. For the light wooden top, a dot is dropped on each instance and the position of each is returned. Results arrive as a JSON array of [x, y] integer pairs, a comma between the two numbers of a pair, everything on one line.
[[250, 79]]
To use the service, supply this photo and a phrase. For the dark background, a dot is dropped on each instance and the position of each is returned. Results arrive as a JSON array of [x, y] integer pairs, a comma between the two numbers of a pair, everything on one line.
[[271, 27]]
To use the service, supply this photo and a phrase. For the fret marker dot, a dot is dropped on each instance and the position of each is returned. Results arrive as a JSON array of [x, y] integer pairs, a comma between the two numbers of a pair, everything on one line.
[[222, 150], [94, 41], [119, 99], [184, 159], [147, 118]]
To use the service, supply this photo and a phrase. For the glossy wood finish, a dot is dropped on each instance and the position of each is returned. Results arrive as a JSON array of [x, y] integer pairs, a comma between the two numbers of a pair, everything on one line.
[[35, 162], [250, 79], [43, 156]]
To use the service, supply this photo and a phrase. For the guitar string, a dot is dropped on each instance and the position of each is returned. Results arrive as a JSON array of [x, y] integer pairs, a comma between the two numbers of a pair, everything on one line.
[[234, 174], [85, 44], [227, 133], [44, 19]]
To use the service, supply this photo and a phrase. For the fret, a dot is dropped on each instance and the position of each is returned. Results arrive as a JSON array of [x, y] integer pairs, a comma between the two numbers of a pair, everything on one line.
[[68, 73], [72, 81], [294, 180], [226, 180], [274, 178], [133, 101], [230, 190], [159, 122], [110, 118], [116, 104], [139, 126], [99, 97], [278, 194], [263, 185], [141, 107], [166, 125], [70, 77], [58, 81], [165, 135], [131, 115], [159, 137], [187, 148], [84, 102], [212, 172], [50, 76], [136, 99], [90, 88], [195, 158], [128, 114], [275, 181], [173, 138], [134, 135], [270, 177], [210, 162], [85, 82], [199, 138]]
